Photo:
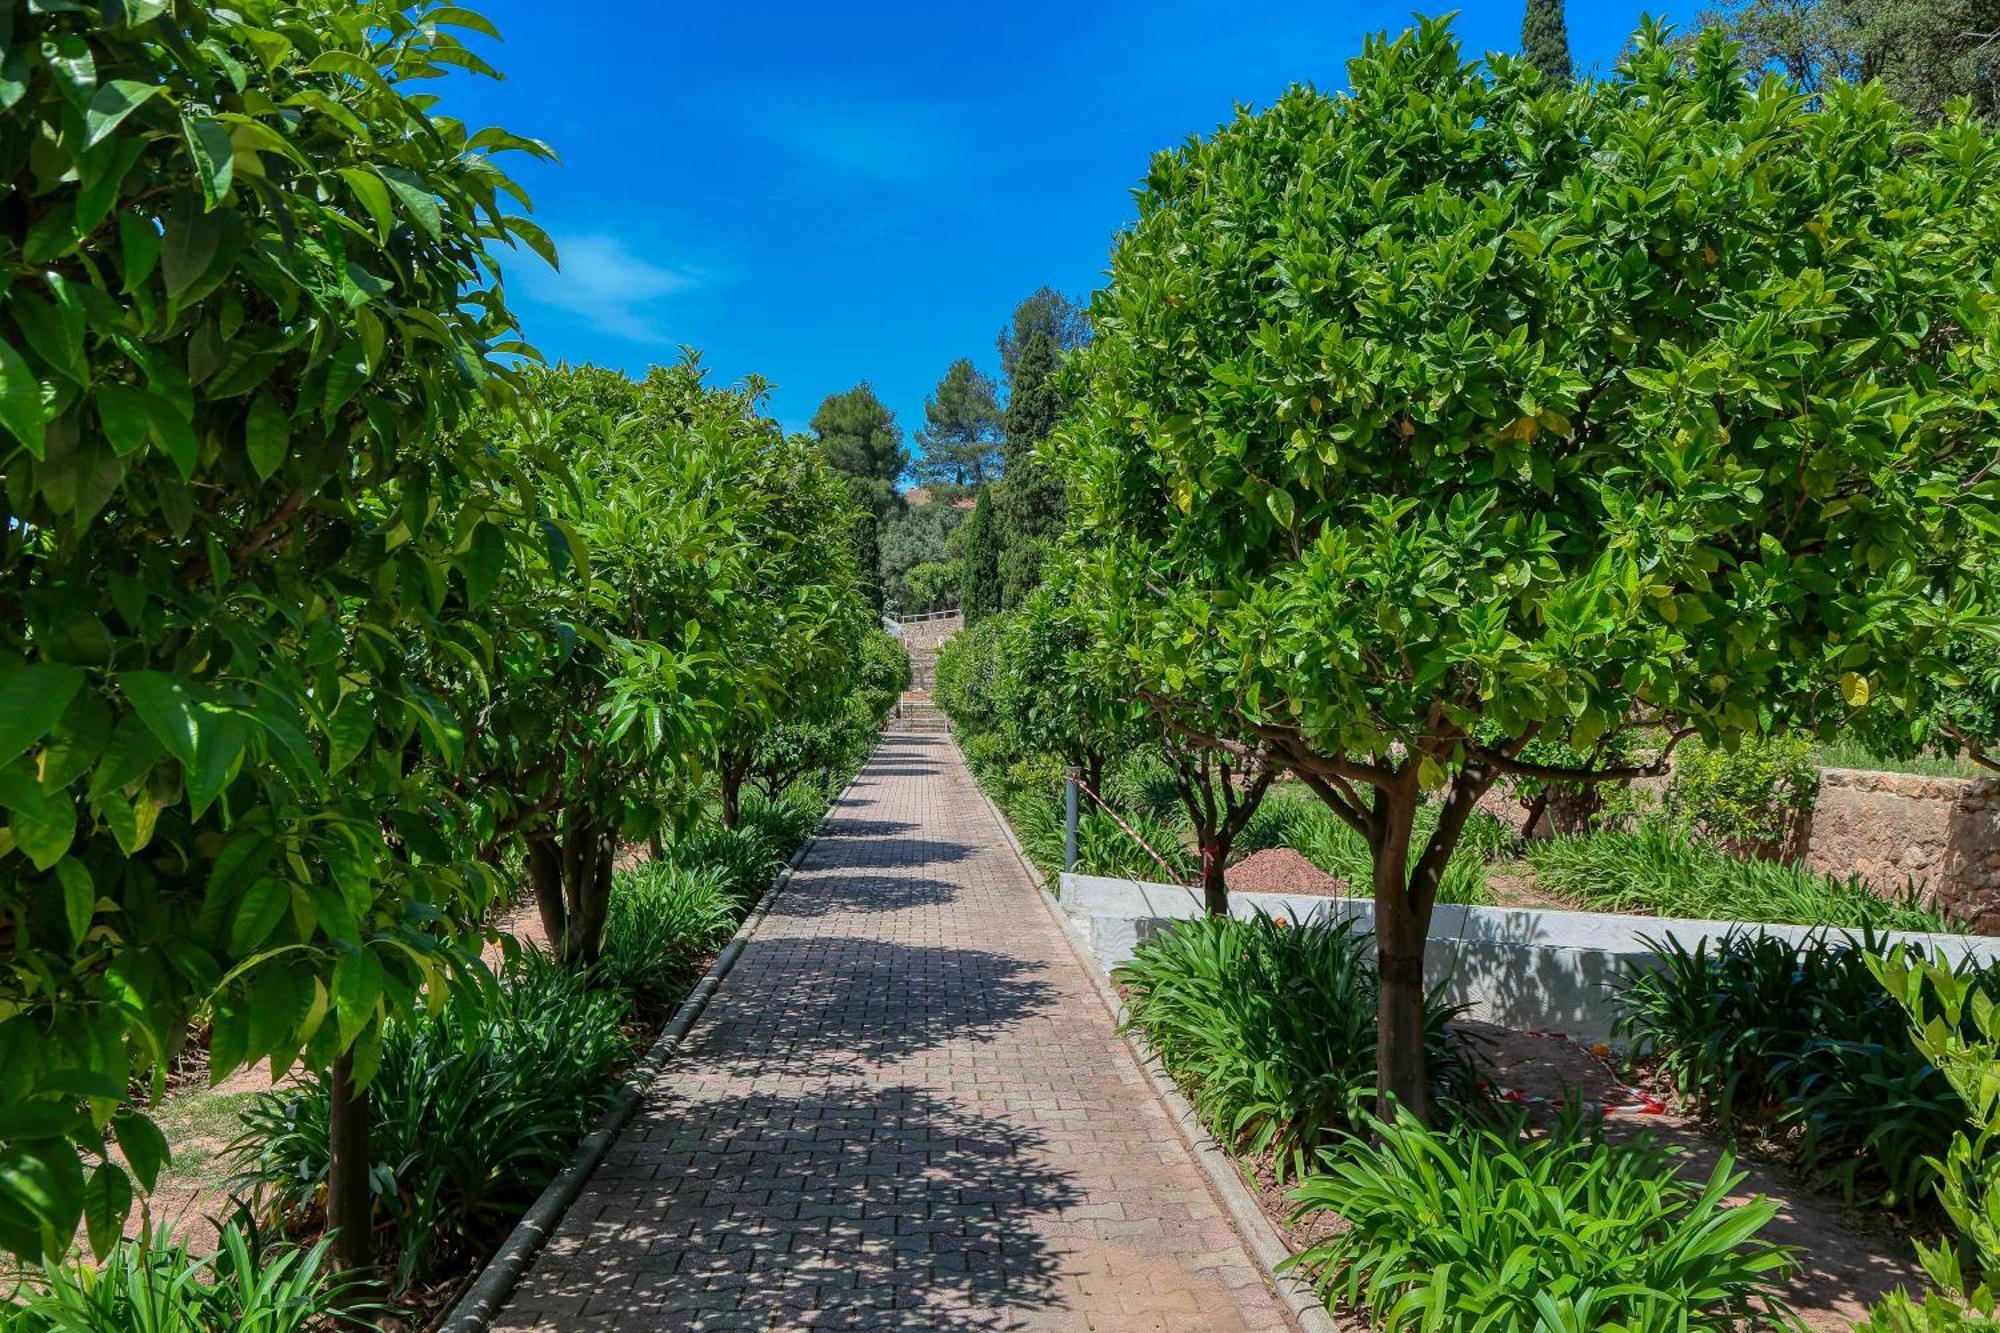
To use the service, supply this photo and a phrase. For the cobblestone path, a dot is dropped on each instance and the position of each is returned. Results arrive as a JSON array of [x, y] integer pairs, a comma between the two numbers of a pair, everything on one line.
[[905, 1108]]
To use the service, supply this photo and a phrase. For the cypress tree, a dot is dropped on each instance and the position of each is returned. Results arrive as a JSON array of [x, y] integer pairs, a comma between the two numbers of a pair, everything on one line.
[[1028, 505], [979, 594], [1545, 39]]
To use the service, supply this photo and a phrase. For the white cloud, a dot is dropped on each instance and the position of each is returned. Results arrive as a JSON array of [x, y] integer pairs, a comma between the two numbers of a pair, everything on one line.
[[604, 281]]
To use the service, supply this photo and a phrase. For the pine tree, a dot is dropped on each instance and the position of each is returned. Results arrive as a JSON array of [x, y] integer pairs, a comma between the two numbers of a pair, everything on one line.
[[962, 428], [1028, 505], [860, 437], [1545, 39]]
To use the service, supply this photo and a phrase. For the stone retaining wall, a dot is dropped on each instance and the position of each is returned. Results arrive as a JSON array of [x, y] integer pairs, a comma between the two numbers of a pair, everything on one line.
[[1897, 829]]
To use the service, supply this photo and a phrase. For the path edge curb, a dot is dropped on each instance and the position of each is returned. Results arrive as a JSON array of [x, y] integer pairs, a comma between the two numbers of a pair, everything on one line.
[[1225, 1180], [474, 1311]]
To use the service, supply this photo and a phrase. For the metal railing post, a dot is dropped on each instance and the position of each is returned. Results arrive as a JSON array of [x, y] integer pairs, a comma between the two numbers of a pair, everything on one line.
[[1069, 819]]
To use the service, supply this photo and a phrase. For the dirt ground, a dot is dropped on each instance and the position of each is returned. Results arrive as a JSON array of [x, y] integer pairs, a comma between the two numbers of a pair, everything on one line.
[[1282, 870], [1848, 1260]]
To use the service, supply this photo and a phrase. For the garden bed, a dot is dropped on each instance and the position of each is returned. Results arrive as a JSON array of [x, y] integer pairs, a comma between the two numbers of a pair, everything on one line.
[[1849, 1259]]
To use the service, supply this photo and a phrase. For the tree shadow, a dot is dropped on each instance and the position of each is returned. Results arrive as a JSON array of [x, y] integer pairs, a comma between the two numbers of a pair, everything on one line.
[[827, 1005], [830, 895], [842, 826], [774, 1210], [904, 853]]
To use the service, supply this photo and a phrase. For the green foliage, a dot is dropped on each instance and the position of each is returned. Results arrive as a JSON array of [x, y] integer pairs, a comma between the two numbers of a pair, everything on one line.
[[1102, 847], [1799, 1042], [860, 437], [884, 671], [934, 585], [1049, 314], [912, 535], [1028, 503], [1051, 692], [1457, 411], [475, 1107], [1952, 1023], [1925, 52], [1545, 40], [619, 677], [153, 1284], [979, 591], [251, 285], [1470, 1229], [967, 680], [1269, 1026], [1753, 799], [665, 920], [962, 426], [1656, 868]]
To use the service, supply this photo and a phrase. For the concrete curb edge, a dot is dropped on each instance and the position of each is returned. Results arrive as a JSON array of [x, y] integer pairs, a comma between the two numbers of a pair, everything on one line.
[[1225, 1180], [474, 1311]]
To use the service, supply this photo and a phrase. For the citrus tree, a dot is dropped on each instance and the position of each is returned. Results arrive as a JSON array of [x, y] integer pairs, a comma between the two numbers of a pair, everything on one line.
[[249, 285], [1462, 411], [796, 634], [612, 676]]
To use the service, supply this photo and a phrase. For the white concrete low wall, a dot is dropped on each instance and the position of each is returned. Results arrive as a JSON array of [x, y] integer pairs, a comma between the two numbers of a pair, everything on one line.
[[1516, 966]]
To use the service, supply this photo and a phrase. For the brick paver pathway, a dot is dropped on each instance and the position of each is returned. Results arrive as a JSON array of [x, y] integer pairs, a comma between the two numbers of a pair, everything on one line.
[[905, 1108]]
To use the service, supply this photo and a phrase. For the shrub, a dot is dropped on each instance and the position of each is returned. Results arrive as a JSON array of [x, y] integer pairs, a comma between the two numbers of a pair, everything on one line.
[[475, 1107], [152, 1284], [1270, 1028], [664, 920], [965, 683], [1102, 847], [1954, 1025], [1799, 1041], [1466, 1228], [1658, 868], [1752, 799]]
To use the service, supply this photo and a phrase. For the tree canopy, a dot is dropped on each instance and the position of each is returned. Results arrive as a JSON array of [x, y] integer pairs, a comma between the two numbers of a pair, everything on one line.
[[962, 428], [1046, 311], [1927, 52], [1028, 502], [251, 288], [1427, 421], [1545, 39], [859, 435]]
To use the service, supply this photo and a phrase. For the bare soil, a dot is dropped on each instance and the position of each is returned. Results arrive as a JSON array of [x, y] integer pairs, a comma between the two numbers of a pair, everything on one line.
[[1282, 870], [1848, 1259]]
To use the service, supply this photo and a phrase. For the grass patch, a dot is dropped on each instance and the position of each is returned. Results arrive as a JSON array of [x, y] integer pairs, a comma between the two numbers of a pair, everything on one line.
[[1848, 753], [1658, 869]]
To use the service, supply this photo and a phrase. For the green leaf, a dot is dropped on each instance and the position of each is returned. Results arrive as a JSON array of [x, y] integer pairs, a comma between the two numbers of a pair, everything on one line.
[[79, 896], [175, 433], [358, 984], [46, 839], [416, 198], [125, 412], [41, 1196], [483, 561], [373, 195], [214, 156], [188, 246], [223, 735], [267, 434], [22, 409], [264, 904], [168, 706], [106, 1201], [112, 103], [32, 700], [348, 730], [145, 1148]]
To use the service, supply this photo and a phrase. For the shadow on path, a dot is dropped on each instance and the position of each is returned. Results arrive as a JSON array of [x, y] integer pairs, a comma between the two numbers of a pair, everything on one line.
[[820, 1007], [854, 1199]]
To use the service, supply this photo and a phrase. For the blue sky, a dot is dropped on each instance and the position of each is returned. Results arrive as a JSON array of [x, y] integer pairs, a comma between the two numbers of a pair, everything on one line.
[[825, 193]]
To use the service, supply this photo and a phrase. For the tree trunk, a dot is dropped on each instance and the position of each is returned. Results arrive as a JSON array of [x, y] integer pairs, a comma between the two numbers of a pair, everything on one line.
[[1214, 882], [1402, 924], [732, 792], [570, 875], [349, 1209]]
